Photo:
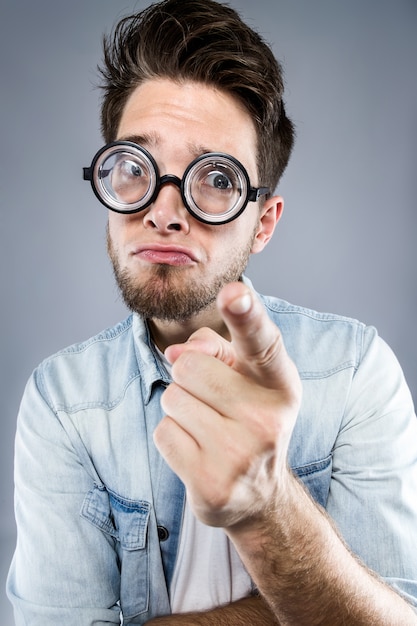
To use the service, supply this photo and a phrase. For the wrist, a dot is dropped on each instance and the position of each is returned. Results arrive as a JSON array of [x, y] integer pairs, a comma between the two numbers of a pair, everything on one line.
[[288, 508]]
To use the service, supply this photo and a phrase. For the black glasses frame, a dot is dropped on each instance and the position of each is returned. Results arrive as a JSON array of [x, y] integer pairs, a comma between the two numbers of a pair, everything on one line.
[[95, 174]]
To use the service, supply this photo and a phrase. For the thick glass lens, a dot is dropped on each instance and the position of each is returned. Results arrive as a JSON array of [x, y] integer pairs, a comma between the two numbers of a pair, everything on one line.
[[216, 187], [125, 178]]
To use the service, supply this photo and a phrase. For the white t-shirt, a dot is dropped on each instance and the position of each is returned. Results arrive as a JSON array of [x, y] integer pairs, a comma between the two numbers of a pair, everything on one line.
[[208, 571]]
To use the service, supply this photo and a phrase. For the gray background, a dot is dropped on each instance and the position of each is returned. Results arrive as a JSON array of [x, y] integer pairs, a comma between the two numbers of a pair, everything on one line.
[[346, 243]]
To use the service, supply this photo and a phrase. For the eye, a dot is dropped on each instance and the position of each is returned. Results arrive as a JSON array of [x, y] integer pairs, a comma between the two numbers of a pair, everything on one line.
[[129, 168], [218, 180], [129, 180]]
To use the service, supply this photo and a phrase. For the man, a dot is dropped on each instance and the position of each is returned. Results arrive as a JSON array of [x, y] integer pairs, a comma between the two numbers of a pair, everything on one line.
[[218, 457]]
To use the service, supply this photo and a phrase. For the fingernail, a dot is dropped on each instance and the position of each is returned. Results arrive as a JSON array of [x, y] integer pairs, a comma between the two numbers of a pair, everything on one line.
[[240, 305]]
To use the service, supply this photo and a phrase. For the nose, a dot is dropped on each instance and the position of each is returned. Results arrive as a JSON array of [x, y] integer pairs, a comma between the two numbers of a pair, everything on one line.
[[167, 213]]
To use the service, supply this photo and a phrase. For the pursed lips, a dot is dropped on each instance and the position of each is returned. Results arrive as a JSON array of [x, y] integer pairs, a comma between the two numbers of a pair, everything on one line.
[[168, 255]]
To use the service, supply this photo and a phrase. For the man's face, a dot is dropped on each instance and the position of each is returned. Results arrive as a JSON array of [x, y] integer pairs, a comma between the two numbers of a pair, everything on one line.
[[168, 265]]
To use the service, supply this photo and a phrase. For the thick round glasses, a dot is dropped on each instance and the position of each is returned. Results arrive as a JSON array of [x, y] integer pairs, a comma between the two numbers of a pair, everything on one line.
[[215, 187]]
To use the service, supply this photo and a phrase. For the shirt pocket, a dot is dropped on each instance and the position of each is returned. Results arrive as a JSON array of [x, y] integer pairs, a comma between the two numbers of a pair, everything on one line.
[[127, 522], [316, 478]]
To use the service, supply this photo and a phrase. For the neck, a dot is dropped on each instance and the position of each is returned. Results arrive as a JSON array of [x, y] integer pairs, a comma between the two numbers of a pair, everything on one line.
[[166, 333]]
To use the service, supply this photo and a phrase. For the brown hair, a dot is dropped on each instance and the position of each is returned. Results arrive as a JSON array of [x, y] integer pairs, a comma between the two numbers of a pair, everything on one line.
[[203, 41]]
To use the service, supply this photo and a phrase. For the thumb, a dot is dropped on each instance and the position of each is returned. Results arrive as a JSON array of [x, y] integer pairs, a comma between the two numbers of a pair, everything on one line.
[[256, 340]]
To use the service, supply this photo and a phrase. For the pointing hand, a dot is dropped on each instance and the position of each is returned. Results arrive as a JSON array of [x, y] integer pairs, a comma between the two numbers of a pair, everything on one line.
[[230, 412]]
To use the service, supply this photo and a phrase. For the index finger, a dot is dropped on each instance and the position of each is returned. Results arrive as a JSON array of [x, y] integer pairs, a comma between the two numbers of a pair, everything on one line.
[[256, 340]]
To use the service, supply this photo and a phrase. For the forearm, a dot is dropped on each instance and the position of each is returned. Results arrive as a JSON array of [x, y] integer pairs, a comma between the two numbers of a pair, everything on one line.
[[234, 422], [306, 573], [253, 611]]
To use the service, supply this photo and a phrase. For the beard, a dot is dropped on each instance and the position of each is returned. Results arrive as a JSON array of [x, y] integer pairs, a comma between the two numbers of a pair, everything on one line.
[[169, 294]]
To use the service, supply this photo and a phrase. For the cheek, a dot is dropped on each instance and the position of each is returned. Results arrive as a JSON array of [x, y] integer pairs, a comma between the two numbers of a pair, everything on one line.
[[116, 234], [118, 226], [248, 225], [235, 241]]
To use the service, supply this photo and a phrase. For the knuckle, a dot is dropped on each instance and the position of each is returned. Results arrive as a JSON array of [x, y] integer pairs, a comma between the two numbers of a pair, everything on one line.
[[200, 334], [171, 398], [266, 356], [185, 363]]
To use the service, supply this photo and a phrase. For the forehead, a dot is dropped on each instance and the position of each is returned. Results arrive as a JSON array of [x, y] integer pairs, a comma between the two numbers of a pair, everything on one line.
[[185, 119]]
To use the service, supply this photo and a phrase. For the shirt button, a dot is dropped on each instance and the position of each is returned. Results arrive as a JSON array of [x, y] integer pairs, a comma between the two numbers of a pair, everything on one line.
[[163, 534]]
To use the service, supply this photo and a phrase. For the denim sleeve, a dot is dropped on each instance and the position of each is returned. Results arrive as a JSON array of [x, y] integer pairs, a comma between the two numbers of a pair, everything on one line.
[[57, 550], [373, 493]]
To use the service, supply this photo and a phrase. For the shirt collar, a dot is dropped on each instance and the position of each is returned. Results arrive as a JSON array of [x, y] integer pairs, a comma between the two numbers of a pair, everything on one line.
[[151, 368]]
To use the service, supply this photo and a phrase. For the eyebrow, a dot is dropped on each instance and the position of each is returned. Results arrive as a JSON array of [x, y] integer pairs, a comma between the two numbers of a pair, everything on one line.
[[197, 150], [152, 139], [147, 140]]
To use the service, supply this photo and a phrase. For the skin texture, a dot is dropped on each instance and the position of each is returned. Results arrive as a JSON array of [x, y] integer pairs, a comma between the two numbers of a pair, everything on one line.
[[252, 610], [234, 424], [178, 122], [234, 420]]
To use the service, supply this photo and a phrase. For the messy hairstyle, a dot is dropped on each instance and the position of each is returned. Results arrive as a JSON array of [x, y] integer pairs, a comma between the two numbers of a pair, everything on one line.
[[207, 42]]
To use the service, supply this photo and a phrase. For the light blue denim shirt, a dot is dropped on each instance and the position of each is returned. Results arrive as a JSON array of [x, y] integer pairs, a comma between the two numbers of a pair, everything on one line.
[[99, 512]]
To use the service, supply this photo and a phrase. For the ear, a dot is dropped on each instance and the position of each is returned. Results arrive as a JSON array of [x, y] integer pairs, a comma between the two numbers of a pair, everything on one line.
[[270, 215]]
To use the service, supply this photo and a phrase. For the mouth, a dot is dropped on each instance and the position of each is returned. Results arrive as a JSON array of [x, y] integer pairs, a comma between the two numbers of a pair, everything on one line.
[[166, 255]]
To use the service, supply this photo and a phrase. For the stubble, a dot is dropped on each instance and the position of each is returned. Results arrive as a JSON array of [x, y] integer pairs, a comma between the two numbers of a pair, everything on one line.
[[170, 294]]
